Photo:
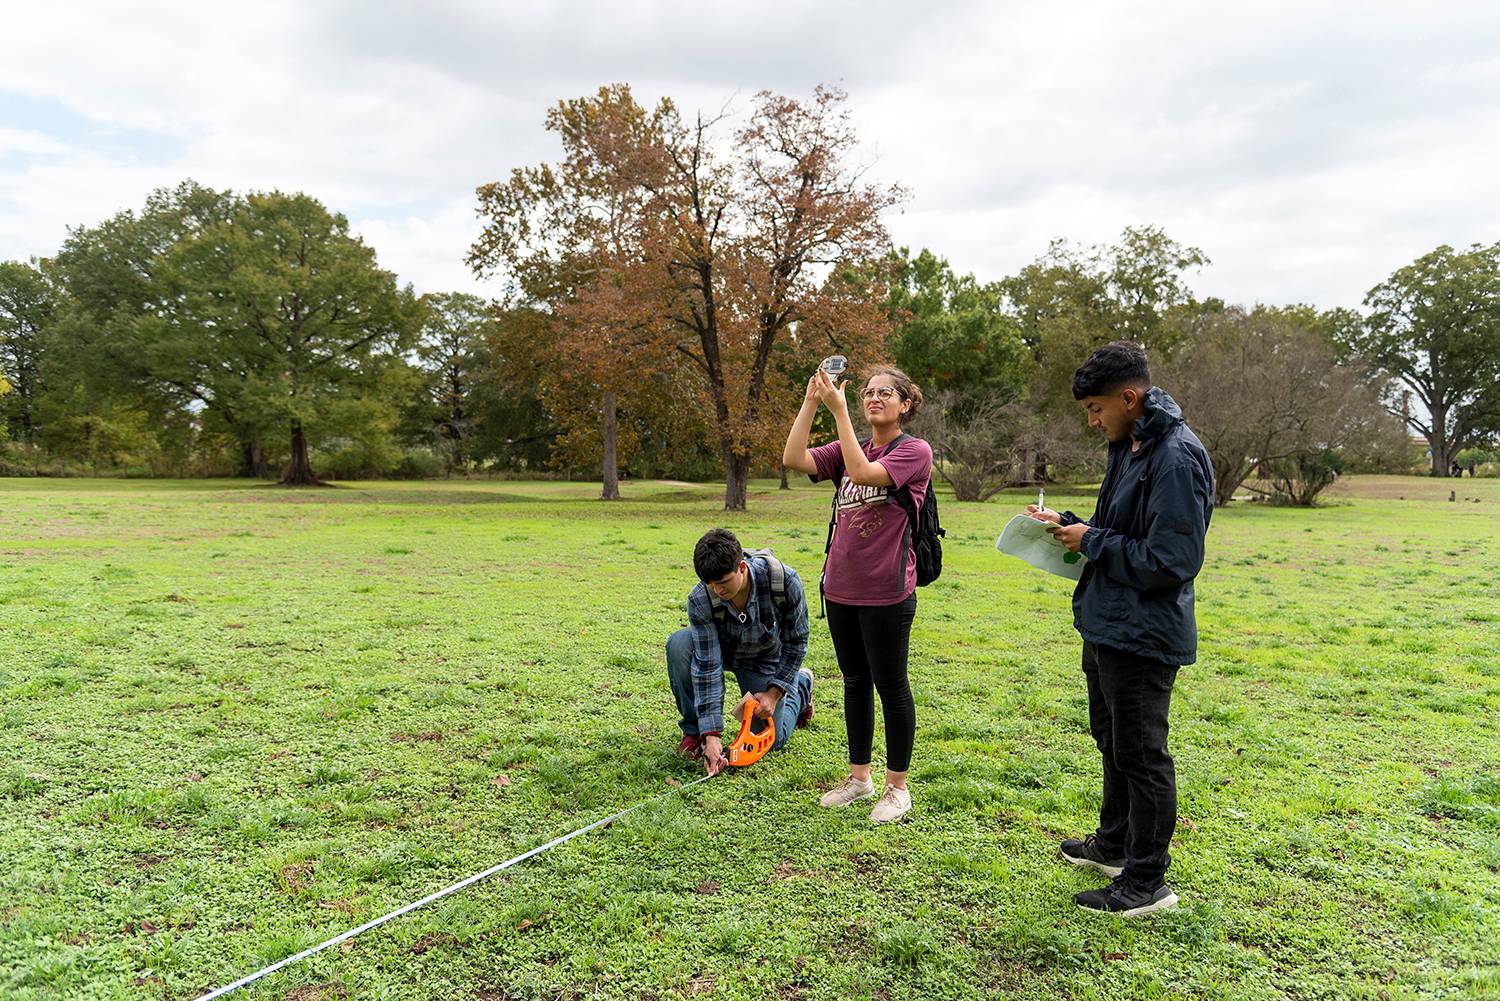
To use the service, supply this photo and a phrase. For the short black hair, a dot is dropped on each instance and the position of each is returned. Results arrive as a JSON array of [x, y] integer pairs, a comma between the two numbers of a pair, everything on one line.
[[716, 554], [1113, 367]]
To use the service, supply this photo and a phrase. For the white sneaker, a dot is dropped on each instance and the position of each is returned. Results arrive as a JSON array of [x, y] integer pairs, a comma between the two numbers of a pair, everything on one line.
[[894, 804], [847, 792]]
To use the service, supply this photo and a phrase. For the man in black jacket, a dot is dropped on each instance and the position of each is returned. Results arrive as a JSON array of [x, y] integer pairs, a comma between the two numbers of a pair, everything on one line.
[[1133, 606]]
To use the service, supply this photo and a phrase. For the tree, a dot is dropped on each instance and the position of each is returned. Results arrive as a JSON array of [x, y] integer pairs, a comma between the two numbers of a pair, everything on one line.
[[100, 436], [975, 442], [282, 314], [28, 302], [718, 255], [1299, 478], [798, 209], [1434, 325], [1263, 390], [452, 355], [512, 426], [1073, 299], [572, 237], [952, 334], [100, 352], [954, 337]]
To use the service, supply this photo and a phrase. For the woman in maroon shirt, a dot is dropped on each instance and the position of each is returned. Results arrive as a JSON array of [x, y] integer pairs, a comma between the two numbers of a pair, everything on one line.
[[870, 576]]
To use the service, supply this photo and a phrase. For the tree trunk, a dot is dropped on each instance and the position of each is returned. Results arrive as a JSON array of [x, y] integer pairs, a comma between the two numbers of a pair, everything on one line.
[[736, 479], [1437, 442], [611, 464], [784, 484], [252, 461], [456, 422], [1227, 479], [299, 470]]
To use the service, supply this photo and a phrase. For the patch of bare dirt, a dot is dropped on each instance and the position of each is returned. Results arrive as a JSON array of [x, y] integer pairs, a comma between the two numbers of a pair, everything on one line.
[[317, 992], [296, 877]]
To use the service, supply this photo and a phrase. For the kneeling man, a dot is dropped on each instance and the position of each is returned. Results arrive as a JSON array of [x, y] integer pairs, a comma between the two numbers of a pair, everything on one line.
[[747, 615]]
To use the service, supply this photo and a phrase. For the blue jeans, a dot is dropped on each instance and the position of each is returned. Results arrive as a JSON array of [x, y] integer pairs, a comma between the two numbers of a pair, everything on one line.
[[680, 674]]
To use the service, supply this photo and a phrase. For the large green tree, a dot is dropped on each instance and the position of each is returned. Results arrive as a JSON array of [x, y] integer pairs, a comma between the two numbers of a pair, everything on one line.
[[284, 315], [952, 333], [104, 353], [28, 302], [1434, 325], [513, 428], [1073, 299]]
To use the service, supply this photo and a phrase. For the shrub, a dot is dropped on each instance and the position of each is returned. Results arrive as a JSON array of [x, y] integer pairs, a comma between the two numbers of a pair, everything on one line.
[[1299, 478]]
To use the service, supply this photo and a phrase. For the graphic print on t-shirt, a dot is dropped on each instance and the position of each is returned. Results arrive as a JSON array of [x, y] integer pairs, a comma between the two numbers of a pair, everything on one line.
[[870, 558], [864, 506]]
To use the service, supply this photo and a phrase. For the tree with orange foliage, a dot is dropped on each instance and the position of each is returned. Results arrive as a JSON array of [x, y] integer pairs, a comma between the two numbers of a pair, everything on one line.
[[570, 237], [650, 239]]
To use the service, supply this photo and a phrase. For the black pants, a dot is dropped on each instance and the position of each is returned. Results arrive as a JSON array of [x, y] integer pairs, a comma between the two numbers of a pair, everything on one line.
[[871, 643], [1129, 697]]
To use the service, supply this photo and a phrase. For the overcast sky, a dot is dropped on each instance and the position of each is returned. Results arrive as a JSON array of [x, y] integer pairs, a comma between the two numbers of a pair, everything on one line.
[[1308, 148]]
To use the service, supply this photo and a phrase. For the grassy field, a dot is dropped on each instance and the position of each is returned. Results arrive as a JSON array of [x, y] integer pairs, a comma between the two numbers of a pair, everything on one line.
[[236, 720]]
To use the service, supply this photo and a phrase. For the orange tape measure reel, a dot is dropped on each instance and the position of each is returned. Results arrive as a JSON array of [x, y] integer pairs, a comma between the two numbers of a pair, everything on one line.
[[751, 744]]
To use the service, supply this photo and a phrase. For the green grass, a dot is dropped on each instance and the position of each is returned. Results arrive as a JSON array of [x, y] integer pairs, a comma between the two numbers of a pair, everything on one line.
[[235, 721]]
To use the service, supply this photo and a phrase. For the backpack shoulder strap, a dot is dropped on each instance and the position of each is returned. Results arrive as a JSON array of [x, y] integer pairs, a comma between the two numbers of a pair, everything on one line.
[[778, 581], [902, 494], [776, 571]]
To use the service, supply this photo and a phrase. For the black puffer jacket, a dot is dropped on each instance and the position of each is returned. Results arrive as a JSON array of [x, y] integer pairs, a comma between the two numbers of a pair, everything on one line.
[[1145, 541]]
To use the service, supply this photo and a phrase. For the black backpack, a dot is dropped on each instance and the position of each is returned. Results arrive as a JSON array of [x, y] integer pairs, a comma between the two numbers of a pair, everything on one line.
[[926, 533], [922, 527]]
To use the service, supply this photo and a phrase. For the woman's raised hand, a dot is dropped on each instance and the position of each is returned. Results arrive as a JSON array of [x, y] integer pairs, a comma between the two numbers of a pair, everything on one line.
[[831, 395]]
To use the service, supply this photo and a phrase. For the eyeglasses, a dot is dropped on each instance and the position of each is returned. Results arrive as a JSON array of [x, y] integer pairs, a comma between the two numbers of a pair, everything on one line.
[[883, 393]]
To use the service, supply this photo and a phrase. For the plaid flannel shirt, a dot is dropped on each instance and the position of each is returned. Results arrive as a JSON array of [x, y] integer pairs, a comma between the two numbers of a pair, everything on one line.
[[770, 641]]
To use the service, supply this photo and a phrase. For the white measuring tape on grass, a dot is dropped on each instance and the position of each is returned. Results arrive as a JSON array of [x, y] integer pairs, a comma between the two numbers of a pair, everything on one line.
[[461, 884]]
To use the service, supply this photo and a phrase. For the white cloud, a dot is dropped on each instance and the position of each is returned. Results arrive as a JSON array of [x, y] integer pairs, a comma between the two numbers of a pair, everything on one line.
[[1309, 150], [21, 142]]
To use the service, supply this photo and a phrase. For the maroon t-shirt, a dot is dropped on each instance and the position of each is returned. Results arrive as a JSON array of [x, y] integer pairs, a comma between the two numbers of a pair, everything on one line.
[[871, 561]]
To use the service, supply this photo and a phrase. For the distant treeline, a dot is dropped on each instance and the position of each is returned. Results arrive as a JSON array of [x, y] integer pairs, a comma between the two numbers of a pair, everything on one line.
[[663, 291]]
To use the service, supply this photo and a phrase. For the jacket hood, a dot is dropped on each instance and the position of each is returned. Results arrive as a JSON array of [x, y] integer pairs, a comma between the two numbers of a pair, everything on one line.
[[1162, 415]]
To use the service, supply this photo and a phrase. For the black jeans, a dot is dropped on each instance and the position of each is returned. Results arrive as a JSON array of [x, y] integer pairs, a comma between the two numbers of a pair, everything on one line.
[[871, 643], [1129, 697]]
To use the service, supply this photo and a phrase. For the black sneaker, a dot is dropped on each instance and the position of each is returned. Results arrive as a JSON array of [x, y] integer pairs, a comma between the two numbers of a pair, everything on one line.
[[1124, 899], [1086, 853]]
